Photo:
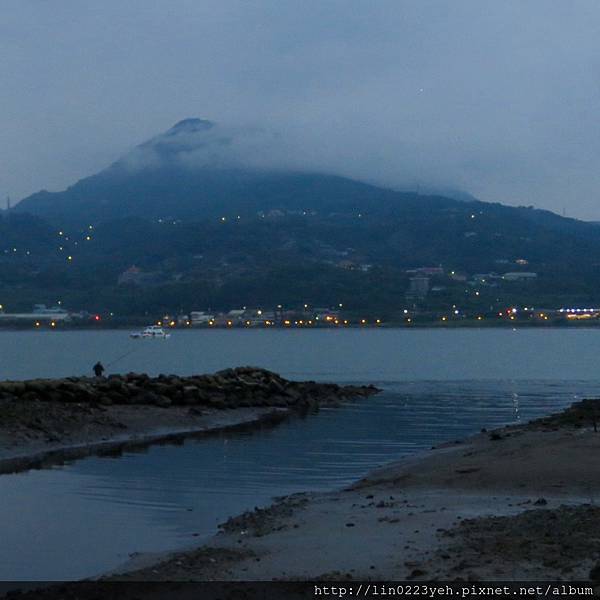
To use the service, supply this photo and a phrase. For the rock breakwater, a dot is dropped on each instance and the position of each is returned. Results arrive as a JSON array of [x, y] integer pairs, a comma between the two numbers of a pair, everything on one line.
[[230, 388]]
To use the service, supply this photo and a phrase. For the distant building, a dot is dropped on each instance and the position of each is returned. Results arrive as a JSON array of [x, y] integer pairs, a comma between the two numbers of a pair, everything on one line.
[[251, 316], [457, 276], [488, 279], [349, 265], [200, 317], [326, 315], [42, 309], [266, 315], [135, 276], [39, 313], [418, 288], [236, 315], [426, 271], [519, 276]]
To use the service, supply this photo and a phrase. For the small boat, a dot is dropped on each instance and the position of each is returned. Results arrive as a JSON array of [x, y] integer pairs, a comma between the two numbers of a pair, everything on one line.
[[152, 331]]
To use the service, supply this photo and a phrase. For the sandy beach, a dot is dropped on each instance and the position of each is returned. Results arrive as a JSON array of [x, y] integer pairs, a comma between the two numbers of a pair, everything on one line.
[[513, 504]]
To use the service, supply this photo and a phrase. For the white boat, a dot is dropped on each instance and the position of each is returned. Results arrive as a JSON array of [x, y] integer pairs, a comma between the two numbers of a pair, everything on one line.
[[152, 331]]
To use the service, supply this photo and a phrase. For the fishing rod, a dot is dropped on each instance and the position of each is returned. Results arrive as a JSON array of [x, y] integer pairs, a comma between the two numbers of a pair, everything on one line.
[[116, 360]]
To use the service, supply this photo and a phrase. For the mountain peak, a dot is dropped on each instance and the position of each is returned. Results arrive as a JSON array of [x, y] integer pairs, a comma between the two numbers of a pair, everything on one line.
[[191, 125], [185, 141]]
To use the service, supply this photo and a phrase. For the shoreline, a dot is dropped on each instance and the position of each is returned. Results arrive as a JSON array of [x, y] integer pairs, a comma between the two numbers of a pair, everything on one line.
[[516, 503], [49, 421], [468, 324], [214, 423]]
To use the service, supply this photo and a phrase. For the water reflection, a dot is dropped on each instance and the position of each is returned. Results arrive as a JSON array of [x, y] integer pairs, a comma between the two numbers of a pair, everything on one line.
[[87, 516]]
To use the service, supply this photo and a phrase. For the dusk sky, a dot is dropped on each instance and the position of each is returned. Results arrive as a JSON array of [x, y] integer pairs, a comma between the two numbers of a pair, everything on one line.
[[499, 99]]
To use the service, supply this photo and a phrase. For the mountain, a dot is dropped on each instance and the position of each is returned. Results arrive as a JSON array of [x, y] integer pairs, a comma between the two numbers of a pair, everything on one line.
[[208, 224], [198, 170]]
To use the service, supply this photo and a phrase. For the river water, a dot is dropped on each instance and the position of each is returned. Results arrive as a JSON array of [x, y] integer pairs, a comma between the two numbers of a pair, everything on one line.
[[88, 516]]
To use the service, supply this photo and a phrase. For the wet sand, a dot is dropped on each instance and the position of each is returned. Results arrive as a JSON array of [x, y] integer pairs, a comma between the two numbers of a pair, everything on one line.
[[89, 431], [514, 504]]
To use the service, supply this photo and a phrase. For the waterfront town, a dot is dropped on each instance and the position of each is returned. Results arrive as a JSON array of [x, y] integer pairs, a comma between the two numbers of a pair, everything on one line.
[[57, 317], [280, 269], [432, 297]]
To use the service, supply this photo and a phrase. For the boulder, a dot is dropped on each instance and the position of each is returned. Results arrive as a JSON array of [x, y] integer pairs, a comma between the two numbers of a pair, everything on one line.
[[216, 401], [191, 392], [229, 388], [13, 387], [146, 397], [162, 401], [115, 384], [37, 386]]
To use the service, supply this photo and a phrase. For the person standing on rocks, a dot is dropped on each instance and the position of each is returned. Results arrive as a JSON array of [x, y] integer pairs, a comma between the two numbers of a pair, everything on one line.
[[98, 369]]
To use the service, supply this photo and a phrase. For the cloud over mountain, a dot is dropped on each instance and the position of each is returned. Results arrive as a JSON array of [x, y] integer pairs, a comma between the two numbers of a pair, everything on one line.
[[499, 99]]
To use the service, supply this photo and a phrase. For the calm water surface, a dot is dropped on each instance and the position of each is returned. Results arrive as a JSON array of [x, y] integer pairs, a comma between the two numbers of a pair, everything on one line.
[[348, 354], [82, 518]]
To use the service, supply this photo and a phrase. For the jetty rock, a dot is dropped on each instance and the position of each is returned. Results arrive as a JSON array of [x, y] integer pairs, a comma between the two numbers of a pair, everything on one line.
[[229, 388]]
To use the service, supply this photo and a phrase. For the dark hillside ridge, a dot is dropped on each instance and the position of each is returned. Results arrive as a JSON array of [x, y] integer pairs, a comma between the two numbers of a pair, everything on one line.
[[200, 194]]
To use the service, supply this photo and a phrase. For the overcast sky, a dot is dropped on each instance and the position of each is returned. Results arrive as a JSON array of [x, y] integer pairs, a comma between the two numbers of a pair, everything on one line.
[[498, 98]]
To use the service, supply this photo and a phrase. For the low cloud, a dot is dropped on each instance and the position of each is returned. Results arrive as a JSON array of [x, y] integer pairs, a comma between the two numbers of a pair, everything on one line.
[[496, 98]]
